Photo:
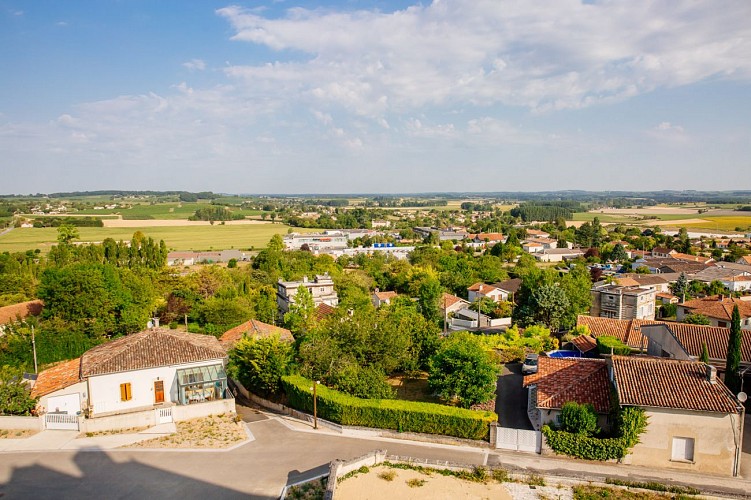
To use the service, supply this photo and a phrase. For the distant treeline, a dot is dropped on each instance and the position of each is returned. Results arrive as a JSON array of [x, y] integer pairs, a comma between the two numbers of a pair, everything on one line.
[[746, 208], [385, 201], [546, 211], [215, 212], [70, 221]]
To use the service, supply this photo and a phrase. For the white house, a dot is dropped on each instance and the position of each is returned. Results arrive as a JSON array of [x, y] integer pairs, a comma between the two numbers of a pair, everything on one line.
[[480, 290], [152, 368], [321, 288]]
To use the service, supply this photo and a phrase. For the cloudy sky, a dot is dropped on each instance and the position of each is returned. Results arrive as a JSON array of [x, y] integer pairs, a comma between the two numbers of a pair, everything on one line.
[[374, 96]]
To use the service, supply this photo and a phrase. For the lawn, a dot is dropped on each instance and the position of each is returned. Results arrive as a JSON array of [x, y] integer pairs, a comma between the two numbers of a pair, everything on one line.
[[216, 237], [412, 387]]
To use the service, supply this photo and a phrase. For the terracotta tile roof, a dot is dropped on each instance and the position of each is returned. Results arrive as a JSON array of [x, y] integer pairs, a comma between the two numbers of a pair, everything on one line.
[[254, 329], [627, 331], [448, 300], [691, 337], [669, 383], [487, 236], [713, 307], [665, 295], [692, 258], [680, 266], [385, 295], [584, 343], [560, 380], [649, 279], [58, 377], [663, 250], [746, 259], [21, 310], [476, 287], [324, 310], [149, 349], [627, 281]]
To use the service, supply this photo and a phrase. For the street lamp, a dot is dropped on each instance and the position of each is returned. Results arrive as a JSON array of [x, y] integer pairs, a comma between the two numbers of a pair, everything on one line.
[[315, 404]]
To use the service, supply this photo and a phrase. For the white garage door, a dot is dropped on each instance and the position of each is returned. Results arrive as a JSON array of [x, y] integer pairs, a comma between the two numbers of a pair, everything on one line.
[[69, 403]]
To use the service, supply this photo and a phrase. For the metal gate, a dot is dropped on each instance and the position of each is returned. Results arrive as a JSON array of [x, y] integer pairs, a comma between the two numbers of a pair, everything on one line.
[[518, 440], [164, 415], [61, 421]]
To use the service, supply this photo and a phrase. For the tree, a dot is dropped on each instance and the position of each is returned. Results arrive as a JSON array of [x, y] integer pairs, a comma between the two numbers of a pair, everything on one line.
[[14, 394], [696, 319], [680, 287], [579, 419], [66, 234], [704, 353], [260, 363], [301, 315], [619, 253], [464, 370], [733, 363]]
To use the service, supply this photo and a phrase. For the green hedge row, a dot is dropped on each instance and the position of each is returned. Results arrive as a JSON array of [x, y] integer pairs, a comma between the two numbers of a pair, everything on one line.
[[403, 416], [606, 345], [632, 423]]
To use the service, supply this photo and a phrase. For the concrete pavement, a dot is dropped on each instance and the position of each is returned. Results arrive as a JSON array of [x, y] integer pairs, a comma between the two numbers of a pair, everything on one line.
[[68, 440]]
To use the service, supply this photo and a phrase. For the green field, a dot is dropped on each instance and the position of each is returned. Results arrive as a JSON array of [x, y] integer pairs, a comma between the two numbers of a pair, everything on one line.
[[216, 237]]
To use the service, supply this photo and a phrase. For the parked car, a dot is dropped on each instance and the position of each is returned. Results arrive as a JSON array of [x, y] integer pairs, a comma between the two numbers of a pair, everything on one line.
[[530, 364]]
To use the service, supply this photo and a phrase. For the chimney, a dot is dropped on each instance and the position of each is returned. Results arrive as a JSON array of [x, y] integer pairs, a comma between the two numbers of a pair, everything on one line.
[[711, 374]]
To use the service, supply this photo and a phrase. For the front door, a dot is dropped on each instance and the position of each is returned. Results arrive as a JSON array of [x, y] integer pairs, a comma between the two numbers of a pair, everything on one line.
[[159, 391]]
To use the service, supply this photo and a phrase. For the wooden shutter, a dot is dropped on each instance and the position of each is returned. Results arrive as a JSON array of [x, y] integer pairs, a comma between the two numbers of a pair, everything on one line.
[[125, 393]]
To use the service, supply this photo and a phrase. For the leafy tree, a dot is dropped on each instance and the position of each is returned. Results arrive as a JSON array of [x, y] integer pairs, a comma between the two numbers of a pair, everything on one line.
[[14, 394], [301, 315], [619, 253], [733, 363], [696, 319], [579, 419], [577, 286], [464, 370], [260, 363], [66, 234]]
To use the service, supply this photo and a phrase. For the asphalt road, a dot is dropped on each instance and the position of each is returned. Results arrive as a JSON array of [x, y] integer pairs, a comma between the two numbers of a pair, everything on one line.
[[511, 398], [258, 469]]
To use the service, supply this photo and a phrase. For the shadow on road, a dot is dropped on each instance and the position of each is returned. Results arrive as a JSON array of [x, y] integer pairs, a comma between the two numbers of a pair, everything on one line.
[[98, 476], [511, 398]]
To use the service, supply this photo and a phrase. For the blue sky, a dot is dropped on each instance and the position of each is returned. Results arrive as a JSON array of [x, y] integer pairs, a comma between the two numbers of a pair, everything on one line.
[[374, 96]]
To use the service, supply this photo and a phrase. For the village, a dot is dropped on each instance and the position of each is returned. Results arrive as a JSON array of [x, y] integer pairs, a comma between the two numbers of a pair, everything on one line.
[[536, 340]]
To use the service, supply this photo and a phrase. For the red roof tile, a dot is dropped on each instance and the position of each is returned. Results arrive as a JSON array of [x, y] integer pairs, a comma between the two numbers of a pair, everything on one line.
[[584, 343], [669, 383], [385, 295], [254, 329], [691, 337], [324, 310], [713, 307], [58, 377], [21, 310], [149, 349], [560, 380], [448, 300], [627, 331]]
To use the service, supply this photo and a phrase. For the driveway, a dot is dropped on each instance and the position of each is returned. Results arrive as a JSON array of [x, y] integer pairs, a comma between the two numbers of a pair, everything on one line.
[[511, 398]]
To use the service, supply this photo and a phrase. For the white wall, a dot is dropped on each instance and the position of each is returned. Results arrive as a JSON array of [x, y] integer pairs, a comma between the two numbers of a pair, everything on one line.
[[105, 389], [218, 407], [79, 388], [18, 423]]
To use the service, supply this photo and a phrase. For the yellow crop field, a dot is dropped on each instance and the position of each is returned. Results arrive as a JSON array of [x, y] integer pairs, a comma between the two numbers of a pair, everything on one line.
[[722, 223], [216, 237]]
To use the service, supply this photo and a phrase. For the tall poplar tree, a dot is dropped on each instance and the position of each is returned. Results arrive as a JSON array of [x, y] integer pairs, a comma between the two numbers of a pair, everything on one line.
[[732, 366]]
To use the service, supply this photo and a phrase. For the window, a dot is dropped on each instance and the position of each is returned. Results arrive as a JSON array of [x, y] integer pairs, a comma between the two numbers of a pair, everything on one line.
[[125, 392], [683, 449]]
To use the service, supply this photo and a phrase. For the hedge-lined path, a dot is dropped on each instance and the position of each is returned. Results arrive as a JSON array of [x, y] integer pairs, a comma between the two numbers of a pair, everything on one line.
[[285, 450]]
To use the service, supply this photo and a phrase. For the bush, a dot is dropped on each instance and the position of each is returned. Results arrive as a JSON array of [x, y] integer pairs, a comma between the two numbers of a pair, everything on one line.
[[259, 363], [631, 423], [579, 419], [403, 416], [607, 345]]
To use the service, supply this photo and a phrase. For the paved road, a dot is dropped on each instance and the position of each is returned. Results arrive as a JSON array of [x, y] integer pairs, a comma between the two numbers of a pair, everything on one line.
[[511, 398], [260, 468]]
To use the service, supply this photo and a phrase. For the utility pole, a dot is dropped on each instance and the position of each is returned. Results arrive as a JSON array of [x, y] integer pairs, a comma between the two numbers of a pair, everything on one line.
[[34, 347]]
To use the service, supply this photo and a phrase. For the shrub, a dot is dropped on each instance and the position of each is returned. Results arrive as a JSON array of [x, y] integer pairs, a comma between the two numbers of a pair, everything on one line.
[[403, 416], [631, 423], [387, 475], [579, 419], [607, 345]]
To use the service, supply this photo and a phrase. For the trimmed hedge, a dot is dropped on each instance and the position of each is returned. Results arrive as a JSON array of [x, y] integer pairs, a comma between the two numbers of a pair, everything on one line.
[[632, 422], [402, 416], [605, 343]]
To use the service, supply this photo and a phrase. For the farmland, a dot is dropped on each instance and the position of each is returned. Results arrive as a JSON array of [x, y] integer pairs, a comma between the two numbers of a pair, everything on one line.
[[205, 237]]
